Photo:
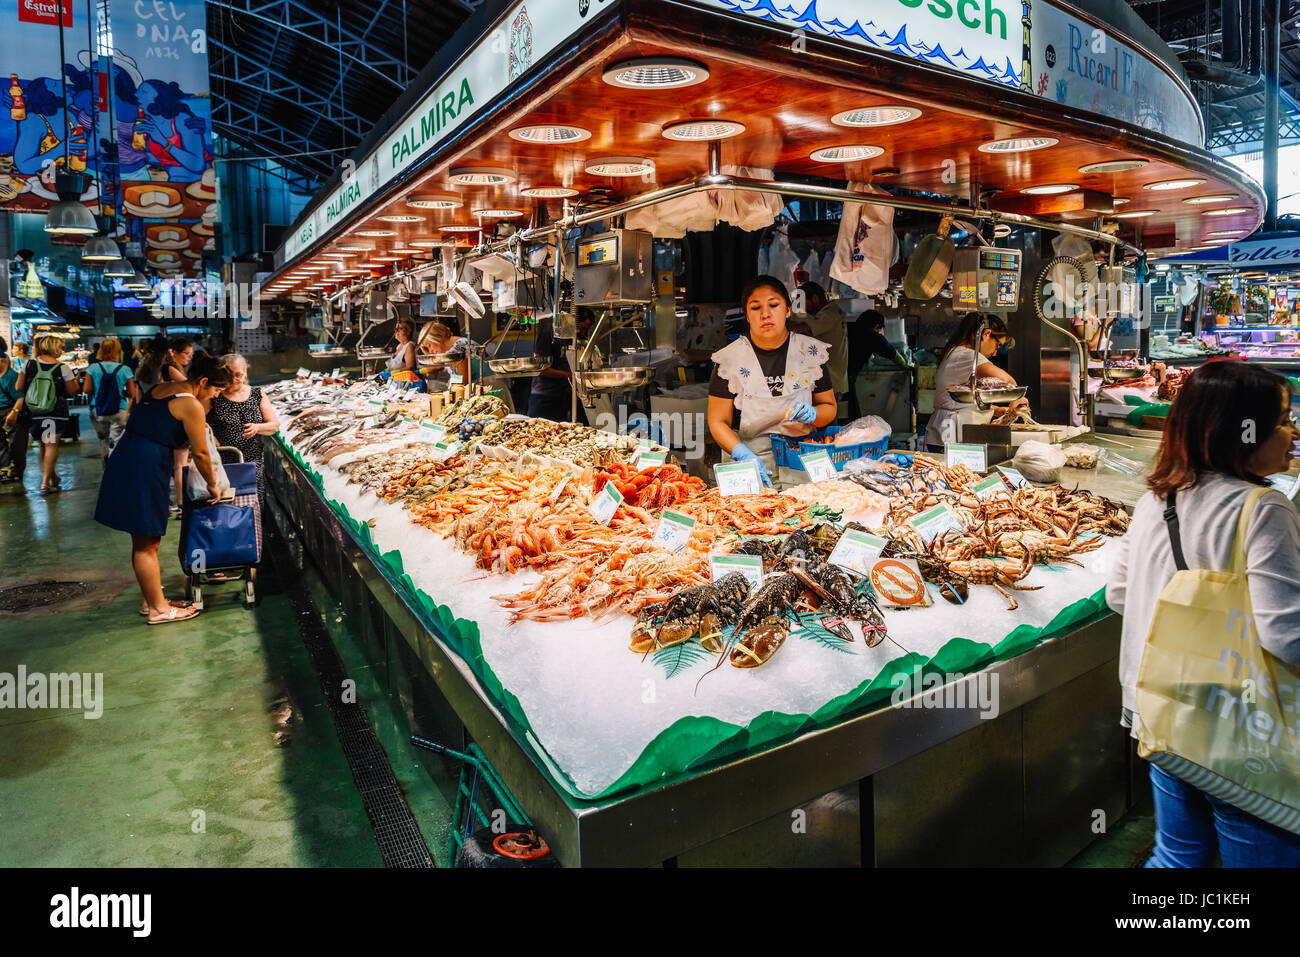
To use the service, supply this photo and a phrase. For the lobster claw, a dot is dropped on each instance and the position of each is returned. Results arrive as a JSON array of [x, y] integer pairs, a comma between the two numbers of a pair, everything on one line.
[[838, 627]]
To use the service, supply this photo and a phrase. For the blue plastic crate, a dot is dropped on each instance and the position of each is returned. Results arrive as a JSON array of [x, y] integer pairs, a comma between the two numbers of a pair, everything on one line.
[[787, 450]]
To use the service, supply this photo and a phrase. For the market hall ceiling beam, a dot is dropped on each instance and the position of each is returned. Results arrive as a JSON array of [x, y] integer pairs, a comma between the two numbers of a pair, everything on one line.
[[243, 125]]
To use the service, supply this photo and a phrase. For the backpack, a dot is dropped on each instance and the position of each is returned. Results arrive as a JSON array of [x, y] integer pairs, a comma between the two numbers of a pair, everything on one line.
[[42, 391], [108, 396]]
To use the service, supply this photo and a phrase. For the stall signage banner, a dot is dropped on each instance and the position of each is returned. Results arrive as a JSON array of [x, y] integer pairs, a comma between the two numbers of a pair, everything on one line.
[[988, 487], [898, 583], [819, 466], [1013, 475], [738, 478], [936, 521], [751, 566], [856, 551], [1273, 252], [605, 504], [1039, 49], [525, 35], [974, 456], [674, 530]]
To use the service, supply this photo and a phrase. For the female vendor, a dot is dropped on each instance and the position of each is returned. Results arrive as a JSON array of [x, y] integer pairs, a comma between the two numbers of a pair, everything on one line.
[[442, 339], [770, 381], [402, 367], [955, 363]]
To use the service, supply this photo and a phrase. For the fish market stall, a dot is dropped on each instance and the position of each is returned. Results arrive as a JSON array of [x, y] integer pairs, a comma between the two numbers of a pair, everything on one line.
[[543, 627]]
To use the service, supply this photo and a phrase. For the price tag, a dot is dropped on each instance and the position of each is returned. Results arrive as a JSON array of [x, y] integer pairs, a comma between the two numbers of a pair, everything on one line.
[[645, 444], [645, 459], [606, 503], [936, 521], [446, 450], [337, 373], [975, 456], [1017, 480], [897, 582], [855, 551], [751, 566], [454, 379], [988, 487], [819, 466], [738, 478], [376, 402], [431, 431], [304, 373], [371, 422], [407, 418], [674, 530]]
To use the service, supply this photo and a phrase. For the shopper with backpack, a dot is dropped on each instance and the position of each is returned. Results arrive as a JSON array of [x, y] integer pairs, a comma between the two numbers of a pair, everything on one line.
[[112, 391], [44, 386]]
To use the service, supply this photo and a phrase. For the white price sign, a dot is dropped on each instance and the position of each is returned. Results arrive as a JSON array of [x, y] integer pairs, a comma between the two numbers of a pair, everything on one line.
[[304, 373], [975, 456], [936, 521], [855, 551], [819, 466], [606, 503], [751, 566], [988, 487], [1017, 480], [738, 478], [431, 431], [446, 450], [674, 530]]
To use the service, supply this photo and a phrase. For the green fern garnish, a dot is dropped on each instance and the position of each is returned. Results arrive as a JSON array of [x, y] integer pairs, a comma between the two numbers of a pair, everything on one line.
[[679, 658]]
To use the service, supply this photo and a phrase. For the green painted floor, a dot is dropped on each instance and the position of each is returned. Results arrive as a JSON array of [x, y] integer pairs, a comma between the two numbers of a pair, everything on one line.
[[215, 747]]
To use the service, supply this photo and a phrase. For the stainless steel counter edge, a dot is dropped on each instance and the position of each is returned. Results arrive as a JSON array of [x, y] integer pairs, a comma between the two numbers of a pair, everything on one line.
[[651, 826]]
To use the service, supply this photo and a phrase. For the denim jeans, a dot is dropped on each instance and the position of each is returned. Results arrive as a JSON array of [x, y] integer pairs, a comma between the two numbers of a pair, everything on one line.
[[1191, 825]]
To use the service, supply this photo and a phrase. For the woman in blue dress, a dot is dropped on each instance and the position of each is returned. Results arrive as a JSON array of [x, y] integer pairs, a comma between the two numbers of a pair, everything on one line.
[[133, 492]]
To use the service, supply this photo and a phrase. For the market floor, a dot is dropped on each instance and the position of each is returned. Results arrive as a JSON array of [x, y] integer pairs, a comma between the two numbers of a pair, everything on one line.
[[215, 746]]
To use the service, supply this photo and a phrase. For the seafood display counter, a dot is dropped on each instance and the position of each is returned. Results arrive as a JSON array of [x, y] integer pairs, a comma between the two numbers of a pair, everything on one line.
[[824, 754]]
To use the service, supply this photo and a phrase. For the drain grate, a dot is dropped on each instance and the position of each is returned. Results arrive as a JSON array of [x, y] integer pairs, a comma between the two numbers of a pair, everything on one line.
[[398, 835], [23, 597]]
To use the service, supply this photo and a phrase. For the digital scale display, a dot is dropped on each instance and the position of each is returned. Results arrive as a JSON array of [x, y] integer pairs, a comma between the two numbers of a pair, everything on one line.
[[998, 259], [986, 277]]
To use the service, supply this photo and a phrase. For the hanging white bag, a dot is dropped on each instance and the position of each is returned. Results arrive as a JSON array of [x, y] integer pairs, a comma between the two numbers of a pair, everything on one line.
[[196, 486], [866, 246]]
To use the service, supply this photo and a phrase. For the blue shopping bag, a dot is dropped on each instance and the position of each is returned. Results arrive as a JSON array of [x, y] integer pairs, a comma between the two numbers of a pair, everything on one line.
[[218, 536]]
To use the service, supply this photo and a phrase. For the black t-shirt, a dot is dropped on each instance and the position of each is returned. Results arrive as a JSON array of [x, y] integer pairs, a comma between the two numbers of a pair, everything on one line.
[[865, 342], [772, 362]]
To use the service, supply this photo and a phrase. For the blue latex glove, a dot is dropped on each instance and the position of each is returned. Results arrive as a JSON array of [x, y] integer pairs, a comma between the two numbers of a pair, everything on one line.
[[743, 453], [803, 413]]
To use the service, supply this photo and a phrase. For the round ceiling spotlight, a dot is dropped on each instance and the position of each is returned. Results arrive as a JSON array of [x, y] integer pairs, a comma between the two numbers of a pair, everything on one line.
[[1018, 144], [876, 116], [376, 232], [499, 213], [481, 176], [1051, 189], [458, 228], [401, 218], [845, 154], [1167, 184], [434, 201], [1228, 232], [1227, 211], [656, 73], [427, 243], [695, 131], [335, 255], [1120, 200], [551, 133], [387, 259], [550, 192], [620, 166], [1136, 213], [1211, 198], [356, 247], [1114, 166]]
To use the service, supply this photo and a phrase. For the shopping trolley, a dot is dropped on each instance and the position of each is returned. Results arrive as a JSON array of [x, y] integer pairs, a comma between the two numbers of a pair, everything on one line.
[[224, 539]]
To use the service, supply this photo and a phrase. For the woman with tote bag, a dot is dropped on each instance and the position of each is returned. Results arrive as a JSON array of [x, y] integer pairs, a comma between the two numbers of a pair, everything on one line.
[[1208, 581]]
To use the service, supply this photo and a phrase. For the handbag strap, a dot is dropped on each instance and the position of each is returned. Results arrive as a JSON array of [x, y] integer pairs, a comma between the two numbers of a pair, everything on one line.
[[1175, 539], [1243, 523]]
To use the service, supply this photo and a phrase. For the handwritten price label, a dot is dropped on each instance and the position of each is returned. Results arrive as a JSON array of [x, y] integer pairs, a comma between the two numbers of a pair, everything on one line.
[[819, 466]]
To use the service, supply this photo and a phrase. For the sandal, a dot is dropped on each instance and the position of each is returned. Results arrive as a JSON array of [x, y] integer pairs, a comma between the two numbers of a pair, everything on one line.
[[47, 489], [175, 603], [175, 614]]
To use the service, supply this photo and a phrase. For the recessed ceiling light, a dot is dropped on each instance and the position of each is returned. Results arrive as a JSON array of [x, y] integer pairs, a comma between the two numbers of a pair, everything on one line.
[[1166, 184], [428, 243], [1018, 144], [1227, 232], [845, 154], [401, 218], [1114, 166], [317, 268], [1227, 211], [1120, 200], [698, 130], [335, 255], [1136, 213], [550, 192], [434, 201], [498, 213], [656, 73], [1210, 198], [376, 232], [458, 228], [406, 249], [550, 133], [481, 176], [387, 259], [620, 166], [356, 247], [1050, 190], [876, 116], [885, 172]]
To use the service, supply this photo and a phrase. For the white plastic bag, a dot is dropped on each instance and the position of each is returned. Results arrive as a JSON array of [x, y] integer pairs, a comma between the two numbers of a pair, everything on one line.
[[1039, 461], [196, 487], [870, 428], [866, 246], [781, 260], [747, 209]]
